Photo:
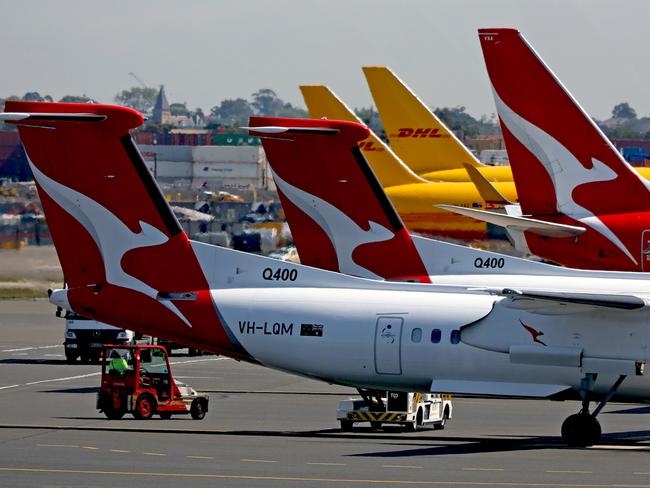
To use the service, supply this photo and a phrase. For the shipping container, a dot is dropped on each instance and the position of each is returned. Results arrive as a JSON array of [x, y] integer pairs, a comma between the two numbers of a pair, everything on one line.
[[225, 170], [230, 154], [166, 152]]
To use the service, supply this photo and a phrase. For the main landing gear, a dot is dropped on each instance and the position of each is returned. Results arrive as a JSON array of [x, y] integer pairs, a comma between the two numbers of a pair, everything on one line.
[[583, 429]]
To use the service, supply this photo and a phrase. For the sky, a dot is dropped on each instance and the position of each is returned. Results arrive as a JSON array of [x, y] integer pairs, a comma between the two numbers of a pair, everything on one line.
[[204, 51]]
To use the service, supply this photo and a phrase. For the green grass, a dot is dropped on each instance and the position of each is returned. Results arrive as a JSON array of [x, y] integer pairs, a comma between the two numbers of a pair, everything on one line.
[[18, 293]]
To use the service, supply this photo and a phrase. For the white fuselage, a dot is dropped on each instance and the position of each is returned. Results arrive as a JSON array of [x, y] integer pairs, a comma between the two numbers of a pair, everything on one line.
[[356, 348]]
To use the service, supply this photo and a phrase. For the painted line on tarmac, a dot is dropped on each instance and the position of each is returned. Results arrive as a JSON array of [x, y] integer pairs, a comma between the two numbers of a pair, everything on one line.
[[199, 457], [400, 466], [328, 464], [327, 433], [567, 471], [56, 445], [257, 461], [66, 378], [31, 348], [97, 373], [303, 479]]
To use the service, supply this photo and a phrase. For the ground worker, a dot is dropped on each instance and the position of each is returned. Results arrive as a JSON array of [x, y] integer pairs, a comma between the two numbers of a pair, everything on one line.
[[117, 363]]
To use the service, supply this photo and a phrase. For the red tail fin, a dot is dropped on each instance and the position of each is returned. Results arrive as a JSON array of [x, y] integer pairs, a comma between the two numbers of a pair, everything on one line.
[[339, 215], [561, 161], [124, 255]]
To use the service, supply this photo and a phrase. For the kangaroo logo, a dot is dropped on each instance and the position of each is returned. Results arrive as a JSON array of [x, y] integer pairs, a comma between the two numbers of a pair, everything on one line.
[[345, 233], [534, 333], [113, 238], [565, 170]]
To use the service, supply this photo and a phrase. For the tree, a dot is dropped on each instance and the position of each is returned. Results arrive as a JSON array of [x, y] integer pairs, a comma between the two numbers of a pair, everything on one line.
[[289, 110], [178, 109], [623, 111], [266, 102], [36, 97], [232, 112], [370, 117], [141, 99], [77, 99]]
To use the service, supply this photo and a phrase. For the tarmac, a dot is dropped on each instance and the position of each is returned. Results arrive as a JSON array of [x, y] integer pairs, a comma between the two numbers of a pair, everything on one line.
[[269, 429]]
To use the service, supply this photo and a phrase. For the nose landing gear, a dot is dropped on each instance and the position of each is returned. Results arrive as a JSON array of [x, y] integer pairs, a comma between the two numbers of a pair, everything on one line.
[[583, 429]]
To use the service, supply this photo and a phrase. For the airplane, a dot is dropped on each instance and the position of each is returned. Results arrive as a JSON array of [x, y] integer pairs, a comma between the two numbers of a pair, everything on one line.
[[415, 198], [122, 249], [565, 168], [332, 199], [422, 140]]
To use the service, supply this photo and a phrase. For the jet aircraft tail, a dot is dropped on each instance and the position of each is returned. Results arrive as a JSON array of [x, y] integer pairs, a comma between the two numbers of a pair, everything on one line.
[[561, 161], [124, 255], [323, 103], [416, 134], [318, 168]]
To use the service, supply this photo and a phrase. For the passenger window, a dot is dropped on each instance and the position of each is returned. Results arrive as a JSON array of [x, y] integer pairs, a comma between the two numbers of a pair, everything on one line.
[[436, 334], [455, 336], [416, 335]]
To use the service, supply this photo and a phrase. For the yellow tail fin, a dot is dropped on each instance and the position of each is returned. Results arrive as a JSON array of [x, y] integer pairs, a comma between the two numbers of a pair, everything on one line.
[[416, 135], [390, 171]]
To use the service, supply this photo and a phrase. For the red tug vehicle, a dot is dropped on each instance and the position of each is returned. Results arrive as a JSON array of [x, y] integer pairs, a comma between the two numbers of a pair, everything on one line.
[[138, 379]]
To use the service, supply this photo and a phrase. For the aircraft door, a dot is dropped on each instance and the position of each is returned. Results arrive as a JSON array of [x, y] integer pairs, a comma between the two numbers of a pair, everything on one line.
[[388, 339], [645, 250]]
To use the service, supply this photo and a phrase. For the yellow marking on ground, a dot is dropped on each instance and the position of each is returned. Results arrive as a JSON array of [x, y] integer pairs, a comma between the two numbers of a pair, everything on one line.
[[401, 466], [119, 450], [257, 461], [55, 445], [483, 469], [328, 464], [91, 448], [155, 474], [154, 454], [199, 457], [567, 471]]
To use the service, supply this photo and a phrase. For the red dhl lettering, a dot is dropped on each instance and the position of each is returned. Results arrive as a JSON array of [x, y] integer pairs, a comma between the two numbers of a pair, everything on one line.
[[420, 132], [370, 146]]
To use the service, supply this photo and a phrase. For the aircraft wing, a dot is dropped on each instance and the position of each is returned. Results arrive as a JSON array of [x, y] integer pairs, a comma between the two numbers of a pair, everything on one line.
[[512, 222], [486, 189], [540, 299]]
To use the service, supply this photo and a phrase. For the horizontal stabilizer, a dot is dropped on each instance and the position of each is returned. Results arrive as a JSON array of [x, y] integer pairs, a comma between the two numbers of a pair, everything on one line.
[[272, 129], [21, 117], [532, 299], [512, 222], [497, 388], [486, 189]]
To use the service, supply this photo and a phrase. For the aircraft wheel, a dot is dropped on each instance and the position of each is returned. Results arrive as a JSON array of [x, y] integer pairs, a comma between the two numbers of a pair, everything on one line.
[[580, 430]]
